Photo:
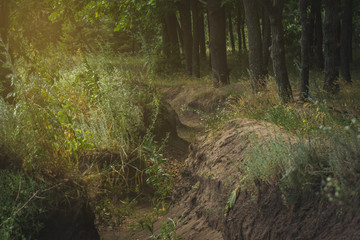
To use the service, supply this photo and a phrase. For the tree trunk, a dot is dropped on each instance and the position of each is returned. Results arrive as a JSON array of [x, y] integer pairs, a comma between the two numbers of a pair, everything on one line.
[[196, 38], [208, 24], [243, 28], [202, 35], [255, 45], [5, 83], [231, 31], [266, 42], [238, 28], [170, 39], [185, 19], [330, 45], [346, 40], [180, 34], [275, 9], [318, 33], [217, 20], [305, 48]]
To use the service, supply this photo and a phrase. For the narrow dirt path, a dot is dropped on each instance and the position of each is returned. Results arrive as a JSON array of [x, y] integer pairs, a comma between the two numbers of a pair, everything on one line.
[[189, 127]]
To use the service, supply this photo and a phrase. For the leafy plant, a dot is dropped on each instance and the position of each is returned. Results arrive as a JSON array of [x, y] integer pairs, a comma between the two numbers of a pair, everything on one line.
[[167, 231]]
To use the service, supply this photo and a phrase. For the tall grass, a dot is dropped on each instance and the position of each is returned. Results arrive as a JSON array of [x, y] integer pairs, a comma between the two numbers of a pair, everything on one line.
[[81, 124]]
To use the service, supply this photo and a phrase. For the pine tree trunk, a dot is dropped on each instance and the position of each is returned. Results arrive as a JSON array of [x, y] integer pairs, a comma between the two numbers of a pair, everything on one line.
[[196, 38], [217, 20], [275, 9], [255, 45], [243, 31], [170, 39], [202, 35], [208, 24], [305, 48], [330, 45], [185, 20], [231, 32], [238, 27], [266, 41], [346, 40], [318, 33]]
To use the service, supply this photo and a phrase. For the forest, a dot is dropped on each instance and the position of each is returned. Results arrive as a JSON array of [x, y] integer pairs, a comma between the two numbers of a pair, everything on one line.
[[179, 119]]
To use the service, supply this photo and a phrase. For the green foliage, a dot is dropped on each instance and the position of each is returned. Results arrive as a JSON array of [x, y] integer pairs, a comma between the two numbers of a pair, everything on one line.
[[343, 186], [167, 231], [66, 117], [157, 176], [231, 200], [325, 161], [265, 160], [20, 208]]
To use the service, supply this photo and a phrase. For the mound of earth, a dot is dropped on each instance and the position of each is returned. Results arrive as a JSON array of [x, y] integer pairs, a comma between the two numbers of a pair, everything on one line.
[[191, 104], [211, 173]]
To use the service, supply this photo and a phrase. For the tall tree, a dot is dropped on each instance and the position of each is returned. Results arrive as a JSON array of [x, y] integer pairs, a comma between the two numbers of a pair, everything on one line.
[[346, 40], [275, 11], [202, 34], [330, 45], [318, 33], [196, 38], [185, 19], [305, 48], [217, 21], [240, 17], [238, 26], [255, 45], [266, 40], [170, 37], [231, 30]]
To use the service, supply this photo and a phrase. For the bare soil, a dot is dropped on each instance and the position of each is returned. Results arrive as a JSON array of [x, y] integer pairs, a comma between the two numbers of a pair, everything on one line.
[[208, 172]]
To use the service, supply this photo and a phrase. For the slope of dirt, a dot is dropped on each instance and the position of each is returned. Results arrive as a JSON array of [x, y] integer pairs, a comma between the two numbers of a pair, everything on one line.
[[211, 174], [208, 178]]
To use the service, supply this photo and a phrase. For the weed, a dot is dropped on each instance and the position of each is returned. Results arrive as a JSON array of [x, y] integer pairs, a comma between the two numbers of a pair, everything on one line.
[[167, 231]]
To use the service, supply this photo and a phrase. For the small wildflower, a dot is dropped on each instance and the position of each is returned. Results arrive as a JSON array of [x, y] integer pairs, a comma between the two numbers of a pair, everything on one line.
[[353, 121], [347, 128]]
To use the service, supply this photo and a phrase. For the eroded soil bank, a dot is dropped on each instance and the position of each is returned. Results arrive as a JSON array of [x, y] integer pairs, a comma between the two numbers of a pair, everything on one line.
[[210, 173]]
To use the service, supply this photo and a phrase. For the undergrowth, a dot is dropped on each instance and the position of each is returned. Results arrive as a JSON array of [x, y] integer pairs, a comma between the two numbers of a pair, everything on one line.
[[83, 125]]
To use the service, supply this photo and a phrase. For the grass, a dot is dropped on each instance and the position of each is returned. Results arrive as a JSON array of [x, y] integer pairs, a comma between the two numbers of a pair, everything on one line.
[[84, 126]]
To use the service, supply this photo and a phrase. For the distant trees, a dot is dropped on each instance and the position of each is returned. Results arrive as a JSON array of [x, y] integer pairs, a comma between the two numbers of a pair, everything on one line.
[[275, 11], [180, 28]]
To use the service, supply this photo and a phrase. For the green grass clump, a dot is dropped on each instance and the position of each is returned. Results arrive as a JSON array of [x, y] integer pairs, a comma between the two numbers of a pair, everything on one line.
[[325, 162]]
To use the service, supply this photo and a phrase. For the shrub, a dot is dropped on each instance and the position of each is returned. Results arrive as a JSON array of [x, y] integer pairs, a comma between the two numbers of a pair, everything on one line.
[[20, 207]]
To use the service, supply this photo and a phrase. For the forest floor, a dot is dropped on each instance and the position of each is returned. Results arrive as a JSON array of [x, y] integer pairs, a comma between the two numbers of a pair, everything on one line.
[[205, 166]]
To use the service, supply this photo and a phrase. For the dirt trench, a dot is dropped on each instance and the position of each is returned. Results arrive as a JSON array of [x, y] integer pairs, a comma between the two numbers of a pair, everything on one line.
[[211, 173]]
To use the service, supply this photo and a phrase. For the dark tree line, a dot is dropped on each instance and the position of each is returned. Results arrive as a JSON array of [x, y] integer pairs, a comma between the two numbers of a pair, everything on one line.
[[190, 28], [325, 41]]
